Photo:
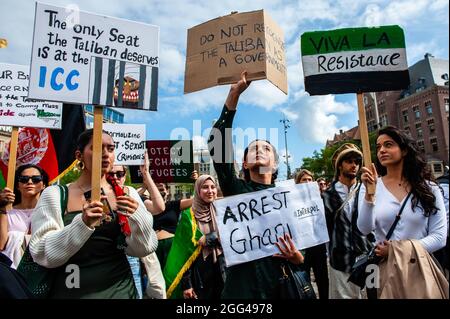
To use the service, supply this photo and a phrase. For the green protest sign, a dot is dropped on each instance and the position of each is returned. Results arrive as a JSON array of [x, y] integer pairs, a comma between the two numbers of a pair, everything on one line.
[[354, 60]]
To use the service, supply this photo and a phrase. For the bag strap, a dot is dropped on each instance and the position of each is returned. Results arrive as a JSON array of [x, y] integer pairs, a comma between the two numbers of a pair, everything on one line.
[[397, 218], [64, 198]]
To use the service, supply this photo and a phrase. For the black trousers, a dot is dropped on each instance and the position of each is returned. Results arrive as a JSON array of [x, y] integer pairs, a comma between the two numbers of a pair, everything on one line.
[[316, 258]]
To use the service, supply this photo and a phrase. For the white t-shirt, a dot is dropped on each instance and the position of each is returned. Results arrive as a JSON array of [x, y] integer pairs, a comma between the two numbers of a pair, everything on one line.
[[430, 231]]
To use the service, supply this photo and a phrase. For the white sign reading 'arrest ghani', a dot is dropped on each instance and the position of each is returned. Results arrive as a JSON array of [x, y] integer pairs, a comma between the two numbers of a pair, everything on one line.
[[250, 224], [84, 58]]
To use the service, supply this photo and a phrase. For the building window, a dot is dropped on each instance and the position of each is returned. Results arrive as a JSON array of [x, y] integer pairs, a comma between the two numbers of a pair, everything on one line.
[[437, 168], [416, 112], [382, 108], [434, 144], [446, 105], [419, 130], [430, 123], [407, 130], [371, 126], [383, 120], [405, 116], [421, 145], [428, 108]]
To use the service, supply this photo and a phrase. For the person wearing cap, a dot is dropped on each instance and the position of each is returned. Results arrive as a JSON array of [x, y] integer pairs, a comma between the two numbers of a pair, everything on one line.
[[341, 212], [316, 256]]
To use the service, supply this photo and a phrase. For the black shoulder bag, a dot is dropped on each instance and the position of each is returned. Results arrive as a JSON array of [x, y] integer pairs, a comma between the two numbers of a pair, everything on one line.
[[358, 273]]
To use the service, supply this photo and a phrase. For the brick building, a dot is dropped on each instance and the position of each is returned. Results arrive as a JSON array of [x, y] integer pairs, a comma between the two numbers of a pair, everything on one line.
[[422, 109]]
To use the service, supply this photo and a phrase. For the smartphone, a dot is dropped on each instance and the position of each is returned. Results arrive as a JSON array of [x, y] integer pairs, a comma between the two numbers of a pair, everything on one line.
[[107, 211]]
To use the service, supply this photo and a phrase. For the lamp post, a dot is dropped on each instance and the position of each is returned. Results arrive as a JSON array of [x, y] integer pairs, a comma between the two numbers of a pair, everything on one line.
[[286, 125]]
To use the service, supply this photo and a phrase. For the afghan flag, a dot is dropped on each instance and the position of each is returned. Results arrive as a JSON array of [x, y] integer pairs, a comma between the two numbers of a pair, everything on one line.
[[183, 252], [52, 150], [354, 60]]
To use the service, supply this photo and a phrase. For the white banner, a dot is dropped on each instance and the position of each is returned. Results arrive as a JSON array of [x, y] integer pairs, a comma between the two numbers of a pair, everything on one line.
[[129, 140], [250, 224], [84, 58], [16, 110]]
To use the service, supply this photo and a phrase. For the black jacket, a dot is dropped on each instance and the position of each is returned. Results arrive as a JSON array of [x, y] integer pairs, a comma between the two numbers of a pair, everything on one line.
[[346, 241]]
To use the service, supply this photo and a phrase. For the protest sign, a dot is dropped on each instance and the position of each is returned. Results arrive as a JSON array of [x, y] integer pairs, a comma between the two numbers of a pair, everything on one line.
[[354, 60], [250, 224], [129, 140], [220, 49], [15, 109], [171, 161], [96, 60]]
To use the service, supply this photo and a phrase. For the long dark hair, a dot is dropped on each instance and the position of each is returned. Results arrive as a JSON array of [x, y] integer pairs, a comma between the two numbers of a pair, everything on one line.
[[247, 171], [19, 170], [85, 137], [415, 170]]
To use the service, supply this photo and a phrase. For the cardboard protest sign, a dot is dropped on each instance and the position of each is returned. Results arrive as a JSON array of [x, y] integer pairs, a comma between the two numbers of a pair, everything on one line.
[[15, 109], [354, 60], [170, 162], [97, 60], [220, 49], [250, 224], [129, 140]]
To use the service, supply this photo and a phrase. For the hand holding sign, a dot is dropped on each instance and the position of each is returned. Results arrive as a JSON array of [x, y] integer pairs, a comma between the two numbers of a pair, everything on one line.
[[288, 250], [236, 90]]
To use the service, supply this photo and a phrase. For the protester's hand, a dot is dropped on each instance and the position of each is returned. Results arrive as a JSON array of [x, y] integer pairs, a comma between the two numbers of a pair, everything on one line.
[[369, 177], [189, 294], [194, 175], [241, 85], [126, 205], [6, 197], [382, 249], [288, 250], [236, 90], [93, 213], [202, 241], [144, 167]]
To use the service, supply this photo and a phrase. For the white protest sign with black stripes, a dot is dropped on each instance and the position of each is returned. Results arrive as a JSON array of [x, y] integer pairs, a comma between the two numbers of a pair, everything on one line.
[[354, 60], [250, 224], [83, 58]]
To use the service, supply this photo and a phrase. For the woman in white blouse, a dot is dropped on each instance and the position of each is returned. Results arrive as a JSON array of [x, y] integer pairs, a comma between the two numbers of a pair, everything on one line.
[[400, 169]]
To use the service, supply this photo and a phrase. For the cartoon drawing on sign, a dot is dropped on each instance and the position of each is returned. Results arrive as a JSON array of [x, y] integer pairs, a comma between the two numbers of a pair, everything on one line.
[[138, 84], [130, 93]]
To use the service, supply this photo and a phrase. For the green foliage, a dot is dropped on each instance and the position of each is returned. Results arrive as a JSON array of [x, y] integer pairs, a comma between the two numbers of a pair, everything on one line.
[[320, 162], [70, 176]]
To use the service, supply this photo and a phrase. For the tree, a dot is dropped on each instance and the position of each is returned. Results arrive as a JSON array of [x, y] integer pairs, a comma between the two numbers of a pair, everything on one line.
[[320, 163]]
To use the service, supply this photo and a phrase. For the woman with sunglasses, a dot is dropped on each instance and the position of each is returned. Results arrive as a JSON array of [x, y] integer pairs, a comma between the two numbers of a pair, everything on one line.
[[30, 180], [95, 235], [156, 282]]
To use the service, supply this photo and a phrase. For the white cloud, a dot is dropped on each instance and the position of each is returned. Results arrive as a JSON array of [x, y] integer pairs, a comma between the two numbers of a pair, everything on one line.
[[199, 142], [315, 117]]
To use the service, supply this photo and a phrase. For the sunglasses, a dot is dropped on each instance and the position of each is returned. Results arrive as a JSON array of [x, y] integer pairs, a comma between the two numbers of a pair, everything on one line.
[[35, 179], [119, 174]]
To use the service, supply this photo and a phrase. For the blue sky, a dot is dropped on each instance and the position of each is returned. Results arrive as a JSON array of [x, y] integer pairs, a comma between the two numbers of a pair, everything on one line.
[[313, 119]]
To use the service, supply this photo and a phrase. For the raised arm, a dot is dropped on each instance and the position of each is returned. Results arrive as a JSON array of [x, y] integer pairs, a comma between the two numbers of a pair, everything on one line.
[[220, 142], [156, 205]]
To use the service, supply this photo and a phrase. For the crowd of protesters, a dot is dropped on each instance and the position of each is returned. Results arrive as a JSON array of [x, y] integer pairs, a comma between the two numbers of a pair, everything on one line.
[[137, 244]]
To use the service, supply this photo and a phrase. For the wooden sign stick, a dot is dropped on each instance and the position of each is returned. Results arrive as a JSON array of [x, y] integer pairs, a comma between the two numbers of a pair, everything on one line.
[[97, 153], [12, 161], [364, 138]]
